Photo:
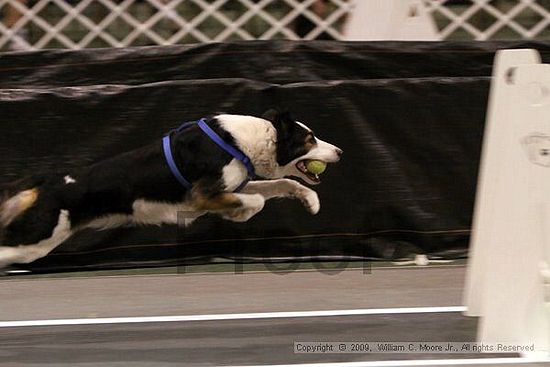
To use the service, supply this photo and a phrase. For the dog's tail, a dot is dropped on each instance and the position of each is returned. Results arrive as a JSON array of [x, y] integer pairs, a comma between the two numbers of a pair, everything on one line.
[[15, 205]]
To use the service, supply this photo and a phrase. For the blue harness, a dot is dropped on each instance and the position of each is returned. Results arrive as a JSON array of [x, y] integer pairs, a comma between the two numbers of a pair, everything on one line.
[[236, 153]]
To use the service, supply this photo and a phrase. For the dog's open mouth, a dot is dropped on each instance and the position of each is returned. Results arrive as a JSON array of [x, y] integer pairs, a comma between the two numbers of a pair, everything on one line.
[[301, 166]]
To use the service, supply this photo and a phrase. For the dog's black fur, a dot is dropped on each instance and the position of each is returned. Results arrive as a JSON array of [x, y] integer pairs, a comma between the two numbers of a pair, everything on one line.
[[111, 186]]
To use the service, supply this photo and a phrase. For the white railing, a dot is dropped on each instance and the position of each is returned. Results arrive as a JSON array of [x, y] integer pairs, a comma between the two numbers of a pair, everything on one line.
[[76, 24], [110, 23], [491, 19]]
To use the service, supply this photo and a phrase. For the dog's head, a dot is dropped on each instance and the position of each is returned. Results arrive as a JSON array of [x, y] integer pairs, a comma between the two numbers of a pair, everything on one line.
[[295, 145]]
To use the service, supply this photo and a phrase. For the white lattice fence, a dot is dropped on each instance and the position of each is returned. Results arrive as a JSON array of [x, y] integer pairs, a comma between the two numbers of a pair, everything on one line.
[[111, 23], [75, 24], [491, 19]]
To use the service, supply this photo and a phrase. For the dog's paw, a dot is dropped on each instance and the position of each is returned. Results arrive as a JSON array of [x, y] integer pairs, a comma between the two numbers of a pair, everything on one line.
[[310, 199]]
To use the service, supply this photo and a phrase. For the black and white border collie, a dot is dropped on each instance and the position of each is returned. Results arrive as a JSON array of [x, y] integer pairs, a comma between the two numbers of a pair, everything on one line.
[[138, 188]]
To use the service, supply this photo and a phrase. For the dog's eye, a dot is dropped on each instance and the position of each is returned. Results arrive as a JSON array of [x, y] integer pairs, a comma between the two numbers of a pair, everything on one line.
[[311, 139]]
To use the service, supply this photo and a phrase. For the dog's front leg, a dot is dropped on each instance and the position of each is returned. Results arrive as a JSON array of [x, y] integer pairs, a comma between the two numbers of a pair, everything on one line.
[[285, 188], [238, 207]]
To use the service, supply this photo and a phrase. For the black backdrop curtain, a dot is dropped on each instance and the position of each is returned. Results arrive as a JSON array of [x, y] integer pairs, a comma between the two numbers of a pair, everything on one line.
[[409, 117]]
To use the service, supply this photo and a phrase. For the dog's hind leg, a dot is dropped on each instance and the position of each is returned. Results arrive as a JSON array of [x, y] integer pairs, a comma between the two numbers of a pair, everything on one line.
[[16, 205], [284, 188], [24, 254]]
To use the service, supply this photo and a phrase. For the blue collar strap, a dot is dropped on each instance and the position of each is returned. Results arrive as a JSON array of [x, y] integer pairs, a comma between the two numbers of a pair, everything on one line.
[[236, 153], [172, 164]]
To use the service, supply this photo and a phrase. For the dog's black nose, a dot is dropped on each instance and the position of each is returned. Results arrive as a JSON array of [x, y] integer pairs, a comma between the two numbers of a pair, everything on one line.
[[339, 152]]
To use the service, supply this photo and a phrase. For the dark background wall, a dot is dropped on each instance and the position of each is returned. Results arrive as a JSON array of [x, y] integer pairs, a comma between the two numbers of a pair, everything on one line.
[[409, 117]]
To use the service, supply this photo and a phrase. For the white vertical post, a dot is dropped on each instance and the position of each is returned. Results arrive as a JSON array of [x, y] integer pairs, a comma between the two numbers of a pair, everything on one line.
[[399, 20], [510, 247], [500, 99]]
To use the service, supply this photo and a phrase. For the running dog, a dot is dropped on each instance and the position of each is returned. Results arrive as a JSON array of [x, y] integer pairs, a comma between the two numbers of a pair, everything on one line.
[[227, 164]]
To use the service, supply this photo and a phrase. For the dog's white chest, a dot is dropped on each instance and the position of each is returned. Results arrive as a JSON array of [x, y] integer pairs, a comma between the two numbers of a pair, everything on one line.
[[233, 175]]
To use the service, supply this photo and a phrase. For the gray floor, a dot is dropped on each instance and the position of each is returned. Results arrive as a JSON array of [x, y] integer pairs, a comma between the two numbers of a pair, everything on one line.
[[186, 294], [235, 342], [239, 342]]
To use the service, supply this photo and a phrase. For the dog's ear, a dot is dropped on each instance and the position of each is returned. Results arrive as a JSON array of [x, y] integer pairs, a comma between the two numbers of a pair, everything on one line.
[[274, 115], [270, 115], [284, 124], [285, 116]]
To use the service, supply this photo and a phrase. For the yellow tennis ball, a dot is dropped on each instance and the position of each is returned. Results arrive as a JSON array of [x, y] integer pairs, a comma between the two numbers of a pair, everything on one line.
[[316, 167]]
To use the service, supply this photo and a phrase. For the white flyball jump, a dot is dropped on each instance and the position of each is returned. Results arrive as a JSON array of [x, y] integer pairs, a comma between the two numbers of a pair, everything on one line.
[[508, 279]]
